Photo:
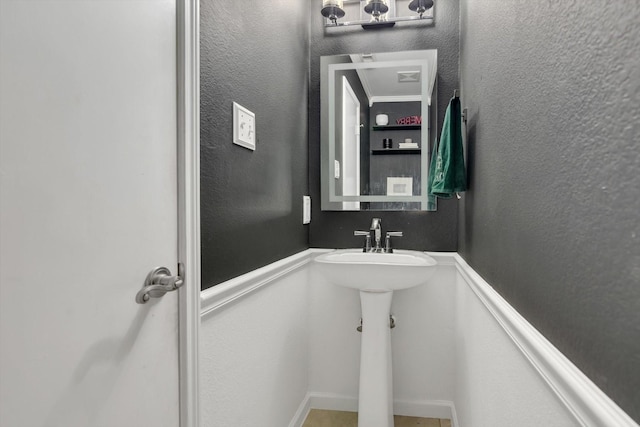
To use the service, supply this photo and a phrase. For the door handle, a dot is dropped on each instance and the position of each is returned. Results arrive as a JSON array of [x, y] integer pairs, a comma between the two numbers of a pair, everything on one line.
[[159, 281]]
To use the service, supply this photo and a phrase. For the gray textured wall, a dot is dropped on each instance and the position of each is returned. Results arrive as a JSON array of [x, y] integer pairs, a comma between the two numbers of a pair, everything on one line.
[[552, 218], [252, 201], [436, 231]]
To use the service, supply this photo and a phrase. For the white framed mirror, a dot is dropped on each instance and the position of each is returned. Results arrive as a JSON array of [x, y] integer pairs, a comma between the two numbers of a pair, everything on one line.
[[377, 116]]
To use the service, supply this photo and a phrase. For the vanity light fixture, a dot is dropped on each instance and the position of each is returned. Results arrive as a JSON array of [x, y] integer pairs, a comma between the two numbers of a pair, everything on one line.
[[372, 14], [332, 10]]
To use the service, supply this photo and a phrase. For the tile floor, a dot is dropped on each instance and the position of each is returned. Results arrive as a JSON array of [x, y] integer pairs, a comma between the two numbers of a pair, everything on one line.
[[322, 418]]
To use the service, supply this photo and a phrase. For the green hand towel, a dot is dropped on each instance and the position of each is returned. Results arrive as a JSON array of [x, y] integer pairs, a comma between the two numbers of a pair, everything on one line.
[[447, 174]]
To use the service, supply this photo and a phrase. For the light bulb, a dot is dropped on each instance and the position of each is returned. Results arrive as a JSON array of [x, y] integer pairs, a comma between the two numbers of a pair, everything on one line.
[[376, 8], [420, 6], [332, 9]]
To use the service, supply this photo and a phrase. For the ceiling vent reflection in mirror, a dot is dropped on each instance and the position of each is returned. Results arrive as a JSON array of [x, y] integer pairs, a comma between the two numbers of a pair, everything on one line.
[[375, 14]]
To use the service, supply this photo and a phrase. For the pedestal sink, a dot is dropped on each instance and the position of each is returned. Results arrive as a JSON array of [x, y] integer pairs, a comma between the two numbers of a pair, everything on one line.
[[376, 276]]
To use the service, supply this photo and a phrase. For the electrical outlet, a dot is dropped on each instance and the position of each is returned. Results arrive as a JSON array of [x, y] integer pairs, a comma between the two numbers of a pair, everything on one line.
[[306, 209], [244, 127]]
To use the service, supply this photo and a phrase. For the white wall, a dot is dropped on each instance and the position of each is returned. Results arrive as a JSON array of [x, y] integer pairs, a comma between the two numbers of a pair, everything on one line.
[[281, 340], [254, 349], [423, 340]]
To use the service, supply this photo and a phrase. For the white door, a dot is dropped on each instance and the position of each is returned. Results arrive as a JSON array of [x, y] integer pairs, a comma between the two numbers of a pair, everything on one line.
[[87, 208], [350, 145]]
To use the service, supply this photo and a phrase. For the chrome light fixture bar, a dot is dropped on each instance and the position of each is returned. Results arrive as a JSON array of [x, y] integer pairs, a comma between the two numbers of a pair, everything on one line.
[[372, 14]]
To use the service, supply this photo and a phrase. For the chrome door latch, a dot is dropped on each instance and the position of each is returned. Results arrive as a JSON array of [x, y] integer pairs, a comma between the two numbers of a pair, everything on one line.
[[159, 281]]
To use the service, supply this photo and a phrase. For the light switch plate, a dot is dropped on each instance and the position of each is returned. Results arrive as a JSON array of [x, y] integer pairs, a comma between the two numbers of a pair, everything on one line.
[[244, 127], [306, 209]]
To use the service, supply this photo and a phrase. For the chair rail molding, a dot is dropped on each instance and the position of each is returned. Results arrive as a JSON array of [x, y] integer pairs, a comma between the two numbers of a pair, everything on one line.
[[226, 293], [589, 405]]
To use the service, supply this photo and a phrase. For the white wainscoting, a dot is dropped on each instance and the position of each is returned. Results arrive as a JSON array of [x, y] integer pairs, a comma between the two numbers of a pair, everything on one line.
[[254, 346], [503, 361], [280, 341]]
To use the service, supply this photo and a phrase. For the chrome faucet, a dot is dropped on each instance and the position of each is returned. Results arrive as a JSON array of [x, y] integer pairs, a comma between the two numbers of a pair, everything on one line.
[[387, 244], [367, 241], [376, 227]]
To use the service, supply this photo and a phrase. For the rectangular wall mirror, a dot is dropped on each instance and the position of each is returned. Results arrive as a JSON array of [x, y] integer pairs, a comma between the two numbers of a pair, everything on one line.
[[378, 113]]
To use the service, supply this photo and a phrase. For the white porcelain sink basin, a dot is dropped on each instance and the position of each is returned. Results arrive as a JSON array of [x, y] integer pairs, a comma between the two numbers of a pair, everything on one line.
[[368, 271]]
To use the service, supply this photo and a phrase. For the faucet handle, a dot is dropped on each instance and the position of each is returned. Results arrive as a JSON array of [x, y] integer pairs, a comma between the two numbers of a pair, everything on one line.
[[367, 240], [387, 241]]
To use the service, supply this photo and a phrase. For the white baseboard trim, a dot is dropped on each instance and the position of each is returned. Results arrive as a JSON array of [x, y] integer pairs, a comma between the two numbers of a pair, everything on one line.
[[225, 293], [336, 402], [301, 413], [426, 409], [332, 402], [589, 405]]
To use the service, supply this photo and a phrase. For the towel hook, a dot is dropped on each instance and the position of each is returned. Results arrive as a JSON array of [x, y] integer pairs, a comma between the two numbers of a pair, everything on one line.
[[456, 93]]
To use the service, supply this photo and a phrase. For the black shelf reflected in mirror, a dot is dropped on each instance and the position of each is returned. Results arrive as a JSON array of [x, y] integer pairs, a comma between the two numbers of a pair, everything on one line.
[[396, 151], [397, 127]]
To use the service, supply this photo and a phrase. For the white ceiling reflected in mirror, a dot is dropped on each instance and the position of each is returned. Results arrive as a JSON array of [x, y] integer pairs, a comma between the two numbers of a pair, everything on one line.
[[376, 121]]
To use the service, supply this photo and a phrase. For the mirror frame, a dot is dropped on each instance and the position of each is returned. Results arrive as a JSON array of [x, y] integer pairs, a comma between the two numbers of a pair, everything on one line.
[[328, 67]]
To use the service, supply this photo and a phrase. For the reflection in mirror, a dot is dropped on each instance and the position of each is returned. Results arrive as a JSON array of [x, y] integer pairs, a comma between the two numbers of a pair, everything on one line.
[[376, 115]]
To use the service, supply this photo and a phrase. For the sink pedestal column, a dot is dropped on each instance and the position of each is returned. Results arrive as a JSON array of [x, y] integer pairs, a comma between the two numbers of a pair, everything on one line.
[[375, 400]]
